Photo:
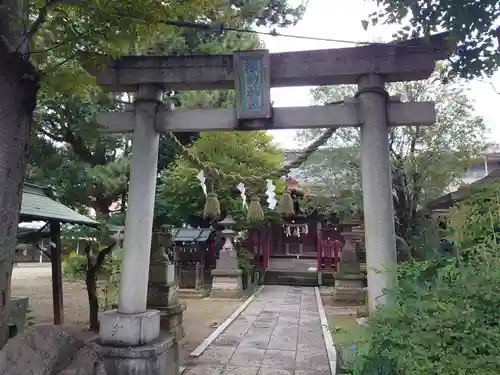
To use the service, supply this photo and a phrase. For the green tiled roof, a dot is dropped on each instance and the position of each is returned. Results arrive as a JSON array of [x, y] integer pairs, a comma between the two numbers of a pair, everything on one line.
[[191, 234], [37, 205]]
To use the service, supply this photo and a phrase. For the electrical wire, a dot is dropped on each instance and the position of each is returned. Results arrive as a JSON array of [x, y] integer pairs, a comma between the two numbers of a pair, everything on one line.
[[221, 28]]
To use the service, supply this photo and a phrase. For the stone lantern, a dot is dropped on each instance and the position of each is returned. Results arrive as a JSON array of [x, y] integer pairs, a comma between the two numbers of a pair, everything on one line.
[[227, 276]]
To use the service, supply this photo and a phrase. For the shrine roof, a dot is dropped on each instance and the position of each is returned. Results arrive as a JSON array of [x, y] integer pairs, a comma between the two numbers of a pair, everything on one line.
[[445, 201], [191, 234], [38, 204]]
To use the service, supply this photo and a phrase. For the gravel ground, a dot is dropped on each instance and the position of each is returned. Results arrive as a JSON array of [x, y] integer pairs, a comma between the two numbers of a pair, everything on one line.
[[200, 319]]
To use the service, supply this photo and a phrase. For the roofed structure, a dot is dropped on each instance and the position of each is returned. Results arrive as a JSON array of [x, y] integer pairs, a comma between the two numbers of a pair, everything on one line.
[[191, 234], [38, 204], [444, 202]]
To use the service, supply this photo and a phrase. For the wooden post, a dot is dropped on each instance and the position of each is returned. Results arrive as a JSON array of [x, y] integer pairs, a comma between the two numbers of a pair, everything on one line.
[[55, 259], [198, 276]]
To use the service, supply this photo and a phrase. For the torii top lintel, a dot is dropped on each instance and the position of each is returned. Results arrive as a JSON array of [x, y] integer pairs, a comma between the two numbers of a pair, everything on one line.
[[408, 61]]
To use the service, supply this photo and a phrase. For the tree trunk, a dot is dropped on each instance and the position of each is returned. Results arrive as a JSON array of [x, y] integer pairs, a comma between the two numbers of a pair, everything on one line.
[[18, 88], [91, 282]]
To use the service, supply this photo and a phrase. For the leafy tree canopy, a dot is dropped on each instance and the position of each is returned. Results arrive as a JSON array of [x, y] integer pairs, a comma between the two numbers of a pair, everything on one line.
[[63, 32], [180, 198], [473, 24], [90, 169], [425, 159]]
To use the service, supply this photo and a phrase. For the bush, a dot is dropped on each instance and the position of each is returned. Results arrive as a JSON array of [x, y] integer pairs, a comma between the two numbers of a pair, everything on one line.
[[74, 266], [444, 317]]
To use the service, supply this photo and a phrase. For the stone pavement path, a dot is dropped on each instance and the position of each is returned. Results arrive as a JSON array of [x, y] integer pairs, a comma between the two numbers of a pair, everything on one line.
[[279, 333]]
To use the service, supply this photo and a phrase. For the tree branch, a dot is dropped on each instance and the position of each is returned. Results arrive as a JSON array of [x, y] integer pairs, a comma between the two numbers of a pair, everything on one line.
[[42, 15], [102, 256], [78, 145], [51, 136]]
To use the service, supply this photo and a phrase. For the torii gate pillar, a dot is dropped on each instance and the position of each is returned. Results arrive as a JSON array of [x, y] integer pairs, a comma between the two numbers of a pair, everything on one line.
[[377, 188], [130, 336]]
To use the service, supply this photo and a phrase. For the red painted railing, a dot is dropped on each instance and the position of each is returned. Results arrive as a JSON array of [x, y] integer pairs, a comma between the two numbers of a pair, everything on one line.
[[328, 254], [259, 245]]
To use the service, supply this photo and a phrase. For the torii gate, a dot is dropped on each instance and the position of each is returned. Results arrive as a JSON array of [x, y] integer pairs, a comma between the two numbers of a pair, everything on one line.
[[252, 74]]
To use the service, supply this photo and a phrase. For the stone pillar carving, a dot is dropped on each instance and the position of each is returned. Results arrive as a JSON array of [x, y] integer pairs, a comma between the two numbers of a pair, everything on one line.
[[227, 276], [163, 287]]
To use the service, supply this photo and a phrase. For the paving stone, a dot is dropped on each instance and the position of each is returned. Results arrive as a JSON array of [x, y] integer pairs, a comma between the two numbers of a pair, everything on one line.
[[258, 331], [313, 372], [227, 340], [265, 323], [268, 314], [204, 370], [279, 359], [217, 354], [245, 319], [240, 370], [282, 343], [237, 329], [289, 313], [308, 342], [258, 342], [287, 322], [274, 371], [279, 333], [248, 357], [312, 358]]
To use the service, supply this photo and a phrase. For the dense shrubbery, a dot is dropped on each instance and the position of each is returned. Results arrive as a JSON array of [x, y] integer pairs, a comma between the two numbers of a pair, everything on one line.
[[444, 318]]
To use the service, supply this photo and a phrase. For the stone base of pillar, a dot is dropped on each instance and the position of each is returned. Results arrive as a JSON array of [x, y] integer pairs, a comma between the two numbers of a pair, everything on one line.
[[119, 329], [227, 283], [159, 357], [171, 319]]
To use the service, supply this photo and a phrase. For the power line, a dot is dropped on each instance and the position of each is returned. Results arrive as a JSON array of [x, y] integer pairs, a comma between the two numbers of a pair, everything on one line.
[[221, 28]]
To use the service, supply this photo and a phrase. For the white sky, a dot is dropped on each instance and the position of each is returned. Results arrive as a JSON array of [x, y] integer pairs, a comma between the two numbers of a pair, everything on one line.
[[341, 19]]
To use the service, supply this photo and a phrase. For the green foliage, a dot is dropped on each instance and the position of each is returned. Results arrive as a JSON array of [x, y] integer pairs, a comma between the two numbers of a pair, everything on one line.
[[108, 285], [62, 34], [473, 24], [246, 261], [74, 266], [179, 196], [443, 318], [476, 221], [425, 159]]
